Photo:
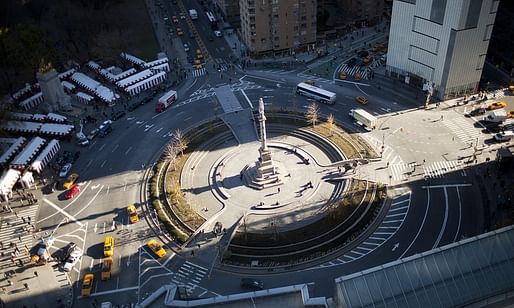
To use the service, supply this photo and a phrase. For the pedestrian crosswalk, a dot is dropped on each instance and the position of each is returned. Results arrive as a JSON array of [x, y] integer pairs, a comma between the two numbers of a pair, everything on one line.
[[189, 275], [463, 129], [352, 70], [199, 72], [438, 169], [16, 238], [401, 171]]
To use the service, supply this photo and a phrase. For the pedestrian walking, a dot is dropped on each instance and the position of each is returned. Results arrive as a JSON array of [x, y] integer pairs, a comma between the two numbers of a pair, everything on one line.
[[1, 245], [23, 219], [35, 274], [28, 217], [441, 117], [12, 259], [19, 238], [20, 262], [16, 214], [278, 189], [11, 245], [26, 285], [4, 290], [9, 282]]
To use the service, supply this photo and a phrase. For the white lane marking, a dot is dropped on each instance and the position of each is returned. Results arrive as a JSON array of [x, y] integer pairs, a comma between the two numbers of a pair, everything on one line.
[[115, 147], [128, 150], [421, 227], [268, 79], [398, 208], [62, 212], [157, 131], [188, 118], [445, 219], [89, 163], [246, 97], [101, 148], [400, 202], [103, 163], [447, 185], [460, 216]]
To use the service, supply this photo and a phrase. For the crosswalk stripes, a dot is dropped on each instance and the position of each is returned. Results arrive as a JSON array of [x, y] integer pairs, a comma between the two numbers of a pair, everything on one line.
[[13, 230], [351, 70], [464, 130], [190, 275], [497, 94], [438, 169], [199, 72], [508, 124], [399, 170]]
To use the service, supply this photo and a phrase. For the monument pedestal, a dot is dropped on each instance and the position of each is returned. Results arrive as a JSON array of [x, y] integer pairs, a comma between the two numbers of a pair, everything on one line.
[[264, 174]]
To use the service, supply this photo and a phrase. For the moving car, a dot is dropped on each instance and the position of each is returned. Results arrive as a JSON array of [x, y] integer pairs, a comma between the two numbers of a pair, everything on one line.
[[71, 179], [72, 192], [156, 248], [106, 268], [118, 115], [361, 100], [218, 33], [186, 47], [87, 284], [174, 19], [496, 105], [65, 170], [342, 75], [132, 213], [72, 259], [108, 246], [476, 112], [252, 284], [179, 31], [182, 16]]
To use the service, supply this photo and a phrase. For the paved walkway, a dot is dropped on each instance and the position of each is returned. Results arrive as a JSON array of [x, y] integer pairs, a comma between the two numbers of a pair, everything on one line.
[[46, 284]]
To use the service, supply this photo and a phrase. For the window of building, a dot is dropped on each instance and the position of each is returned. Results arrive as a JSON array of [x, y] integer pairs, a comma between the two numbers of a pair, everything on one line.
[[473, 13], [437, 11]]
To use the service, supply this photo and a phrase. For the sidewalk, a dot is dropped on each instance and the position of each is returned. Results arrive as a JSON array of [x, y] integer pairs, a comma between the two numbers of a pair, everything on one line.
[[49, 287]]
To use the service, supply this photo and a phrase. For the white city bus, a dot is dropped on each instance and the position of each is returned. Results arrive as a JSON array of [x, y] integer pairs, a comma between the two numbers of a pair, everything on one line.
[[316, 93], [212, 20]]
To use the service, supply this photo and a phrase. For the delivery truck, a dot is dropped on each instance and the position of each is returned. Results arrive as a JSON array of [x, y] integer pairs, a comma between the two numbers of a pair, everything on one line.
[[166, 100], [496, 116], [363, 118], [193, 14]]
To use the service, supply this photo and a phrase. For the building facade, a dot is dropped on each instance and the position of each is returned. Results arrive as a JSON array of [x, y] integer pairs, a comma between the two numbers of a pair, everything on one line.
[[229, 9], [277, 26], [365, 11], [441, 43]]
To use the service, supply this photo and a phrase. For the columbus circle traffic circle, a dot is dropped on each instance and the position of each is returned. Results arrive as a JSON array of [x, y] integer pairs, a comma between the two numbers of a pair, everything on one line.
[[266, 191]]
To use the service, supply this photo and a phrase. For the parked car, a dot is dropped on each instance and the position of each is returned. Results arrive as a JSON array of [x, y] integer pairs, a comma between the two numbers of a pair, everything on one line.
[[180, 32], [175, 19], [218, 33], [70, 181], [252, 284], [156, 248], [65, 170], [476, 112], [118, 115], [72, 192], [504, 136], [87, 284], [352, 62], [72, 259], [92, 134], [182, 16], [186, 47]]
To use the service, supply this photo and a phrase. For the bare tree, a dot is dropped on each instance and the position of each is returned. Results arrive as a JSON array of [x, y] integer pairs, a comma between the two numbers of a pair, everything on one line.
[[180, 141], [312, 113], [331, 124]]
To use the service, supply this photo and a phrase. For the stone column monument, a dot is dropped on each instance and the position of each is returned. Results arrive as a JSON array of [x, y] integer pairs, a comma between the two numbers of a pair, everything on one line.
[[53, 93], [265, 175]]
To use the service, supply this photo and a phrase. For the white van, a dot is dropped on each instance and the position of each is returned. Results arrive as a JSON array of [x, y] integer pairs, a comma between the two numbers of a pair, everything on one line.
[[504, 136]]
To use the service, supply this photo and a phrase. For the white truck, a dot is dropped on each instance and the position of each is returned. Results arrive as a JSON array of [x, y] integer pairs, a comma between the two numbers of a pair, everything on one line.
[[166, 100], [496, 116], [193, 14], [364, 118]]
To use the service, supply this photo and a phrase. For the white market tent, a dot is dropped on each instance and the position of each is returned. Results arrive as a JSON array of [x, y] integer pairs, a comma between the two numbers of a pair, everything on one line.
[[156, 62], [22, 91], [84, 98], [45, 156], [94, 86], [124, 74], [39, 117], [68, 86], [54, 117], [26, 155], [21, 127], [146, 84], [17, 143], [32, 101], [27, 180], [160, 68], [7, 181], [93, 65], [67, 74], [106, 94], [132, 59], [134, 78], [20, 116], [56, 129]]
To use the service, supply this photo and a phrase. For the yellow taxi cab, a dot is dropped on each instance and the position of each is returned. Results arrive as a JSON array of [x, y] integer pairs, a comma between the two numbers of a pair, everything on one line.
[[156, 248], [106, 268], [132, 213], [496, 105], [367, 60], [70, 180], [361, 100], [511, 88], [179, 31], [357, 76], [108, 246], [510, 114], [198, 64], [174, 19], [342, 75], [87, 284]]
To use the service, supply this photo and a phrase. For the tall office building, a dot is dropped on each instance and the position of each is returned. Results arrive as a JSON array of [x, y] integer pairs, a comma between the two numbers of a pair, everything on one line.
[[271, 26], [229, 9], [440, 42], [368, 11]]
